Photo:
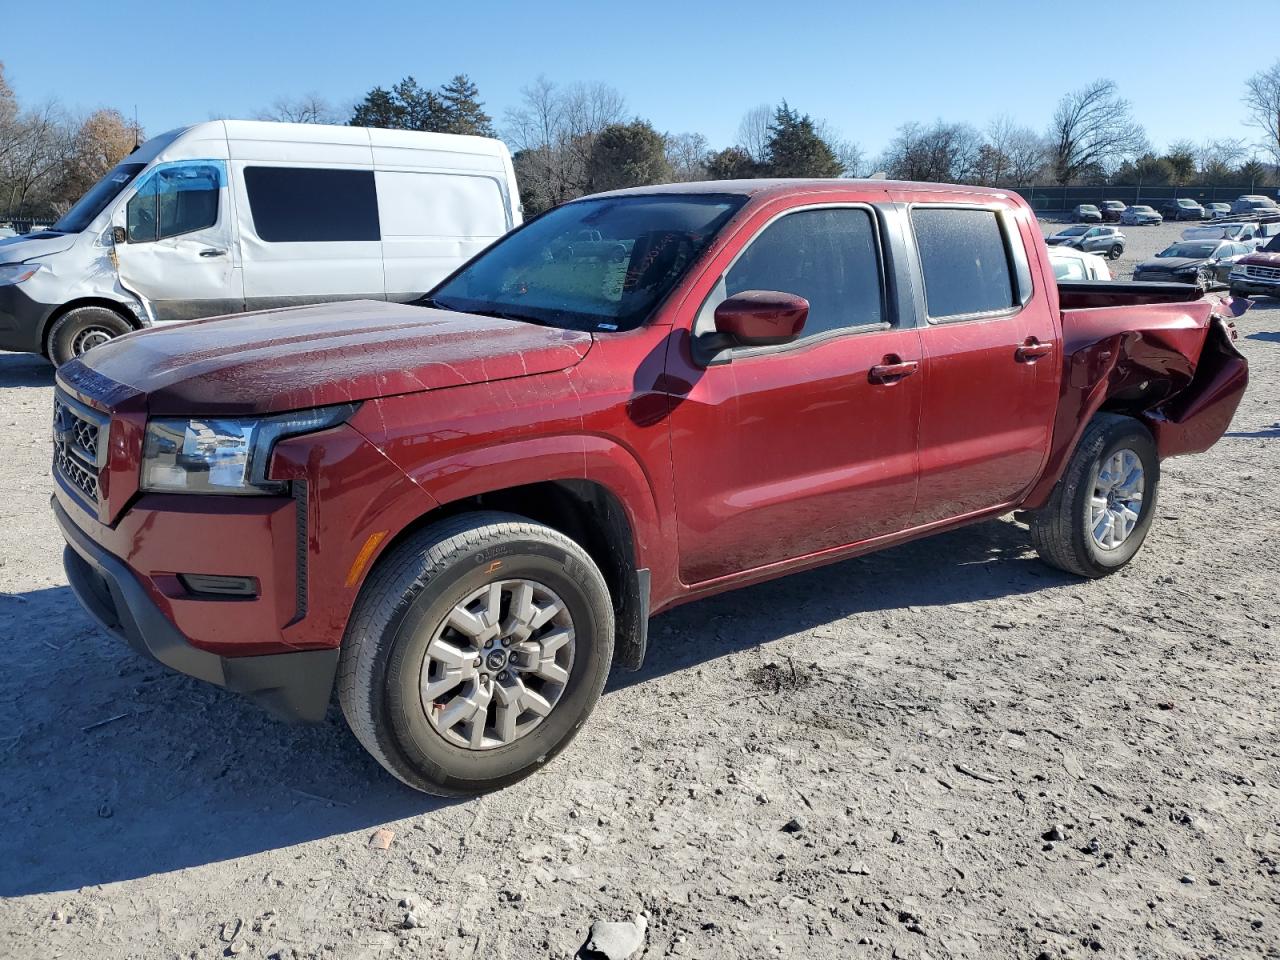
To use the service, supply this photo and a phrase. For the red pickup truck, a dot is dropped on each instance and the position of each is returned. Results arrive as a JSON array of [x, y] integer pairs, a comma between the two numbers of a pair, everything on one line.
[[462, 511]]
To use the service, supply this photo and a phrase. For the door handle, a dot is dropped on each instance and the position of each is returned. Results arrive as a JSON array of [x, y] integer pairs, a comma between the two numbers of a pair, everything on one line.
[[1032, 349], [213, 253], [892, 369]]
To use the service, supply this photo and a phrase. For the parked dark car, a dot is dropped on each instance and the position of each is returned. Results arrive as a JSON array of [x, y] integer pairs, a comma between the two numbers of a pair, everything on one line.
[[1216, 211], [1182, 208], [1086, 213], [1205, 262], [1112, 209], [1108, 241]]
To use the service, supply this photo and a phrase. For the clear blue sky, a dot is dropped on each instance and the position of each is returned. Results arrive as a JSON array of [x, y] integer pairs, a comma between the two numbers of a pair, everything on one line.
[[864, 67]]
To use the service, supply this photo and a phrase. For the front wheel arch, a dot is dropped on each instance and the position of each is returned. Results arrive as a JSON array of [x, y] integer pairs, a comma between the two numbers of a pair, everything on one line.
[[122, 310]]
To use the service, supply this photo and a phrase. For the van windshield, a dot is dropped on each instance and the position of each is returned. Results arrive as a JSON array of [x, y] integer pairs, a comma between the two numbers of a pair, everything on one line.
[[96, 200], [601, 264]]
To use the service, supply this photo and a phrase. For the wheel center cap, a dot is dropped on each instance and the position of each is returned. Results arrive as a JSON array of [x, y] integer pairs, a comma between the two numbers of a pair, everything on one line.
[[496, 660]]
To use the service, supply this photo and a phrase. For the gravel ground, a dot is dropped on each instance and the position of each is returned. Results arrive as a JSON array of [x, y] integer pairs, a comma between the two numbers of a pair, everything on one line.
[[862, 761]]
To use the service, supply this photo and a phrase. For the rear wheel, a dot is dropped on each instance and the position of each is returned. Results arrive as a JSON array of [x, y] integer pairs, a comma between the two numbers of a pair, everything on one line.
[[82, 329], [1114, 251], [1100, 511], [475, 653]]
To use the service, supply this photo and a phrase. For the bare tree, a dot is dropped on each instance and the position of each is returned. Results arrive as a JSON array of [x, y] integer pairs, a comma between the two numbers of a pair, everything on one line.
[[1092, 129], [753, 131], [1012, 154], [1218, 159], [1262, 99], [43, 143], [553, 132], [308, 108], [943, 152], [687, 156], [848, 152]]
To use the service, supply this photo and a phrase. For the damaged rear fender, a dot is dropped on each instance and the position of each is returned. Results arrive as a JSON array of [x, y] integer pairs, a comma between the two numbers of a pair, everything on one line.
[[1178, 372]]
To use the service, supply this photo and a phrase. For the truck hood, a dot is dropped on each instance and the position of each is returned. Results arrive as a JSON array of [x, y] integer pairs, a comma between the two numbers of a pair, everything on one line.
[[291, 359], [24, 247], [1169, 264]]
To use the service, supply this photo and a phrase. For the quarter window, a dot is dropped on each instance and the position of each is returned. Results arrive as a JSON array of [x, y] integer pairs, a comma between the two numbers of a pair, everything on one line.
[[964, 261], [829, 257], [312, 205], [174, 201]]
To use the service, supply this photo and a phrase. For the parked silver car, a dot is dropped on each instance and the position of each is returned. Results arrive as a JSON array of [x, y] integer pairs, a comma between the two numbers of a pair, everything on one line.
[[1108, 241], [1140, 215], [1254, 203]]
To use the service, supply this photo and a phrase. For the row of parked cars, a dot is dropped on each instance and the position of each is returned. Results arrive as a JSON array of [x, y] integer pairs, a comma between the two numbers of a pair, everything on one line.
[[1178, 208], [1245, 256]]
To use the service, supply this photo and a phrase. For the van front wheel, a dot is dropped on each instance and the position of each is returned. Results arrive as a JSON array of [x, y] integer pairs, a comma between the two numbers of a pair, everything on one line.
[[82, 329]]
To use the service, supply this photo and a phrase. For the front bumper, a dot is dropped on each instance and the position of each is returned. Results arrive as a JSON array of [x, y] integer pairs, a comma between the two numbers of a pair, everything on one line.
[[1247, 285], [293, 685], [21, 320]]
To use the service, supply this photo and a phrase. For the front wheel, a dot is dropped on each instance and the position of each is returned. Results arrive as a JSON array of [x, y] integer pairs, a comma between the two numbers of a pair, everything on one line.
[[1101, 509], [82, 329], [476, 651]]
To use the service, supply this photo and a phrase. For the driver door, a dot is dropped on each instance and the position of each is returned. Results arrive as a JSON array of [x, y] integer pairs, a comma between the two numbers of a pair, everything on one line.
[[180, 255]]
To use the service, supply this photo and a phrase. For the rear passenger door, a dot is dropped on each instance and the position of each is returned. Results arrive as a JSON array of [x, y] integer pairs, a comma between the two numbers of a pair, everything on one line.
[[308, 234], [991, 359], [784, 451]]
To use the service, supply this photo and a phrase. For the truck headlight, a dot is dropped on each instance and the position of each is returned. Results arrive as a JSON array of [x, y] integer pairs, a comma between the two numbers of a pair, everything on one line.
[[17, 272], [223, 455]]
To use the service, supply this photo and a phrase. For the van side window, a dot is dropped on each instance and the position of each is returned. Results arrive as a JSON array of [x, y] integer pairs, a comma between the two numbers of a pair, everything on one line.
[[312, 205], [174, 201], [964, 261], [829, 257]]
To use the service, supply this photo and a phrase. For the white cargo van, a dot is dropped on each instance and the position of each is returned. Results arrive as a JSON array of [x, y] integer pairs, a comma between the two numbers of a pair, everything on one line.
[[235, 215]]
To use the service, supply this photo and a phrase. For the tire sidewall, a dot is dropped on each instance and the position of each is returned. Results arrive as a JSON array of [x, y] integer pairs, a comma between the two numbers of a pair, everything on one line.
[[65, 329], [410, 629], [1123, 436]]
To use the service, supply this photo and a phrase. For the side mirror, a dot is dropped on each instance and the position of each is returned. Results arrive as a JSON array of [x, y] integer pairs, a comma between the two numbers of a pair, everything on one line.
[[757, 318], [118, 235]]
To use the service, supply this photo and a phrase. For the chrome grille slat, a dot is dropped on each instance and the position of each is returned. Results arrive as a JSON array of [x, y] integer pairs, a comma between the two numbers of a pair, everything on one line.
[[79, 445], [1262, 273]]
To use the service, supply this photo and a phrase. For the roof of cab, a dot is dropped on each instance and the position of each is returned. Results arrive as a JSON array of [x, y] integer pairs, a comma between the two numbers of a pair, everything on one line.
[[789, 187]]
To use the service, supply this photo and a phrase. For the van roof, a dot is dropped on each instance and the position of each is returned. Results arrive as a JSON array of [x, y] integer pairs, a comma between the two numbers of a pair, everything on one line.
[[323, 133]]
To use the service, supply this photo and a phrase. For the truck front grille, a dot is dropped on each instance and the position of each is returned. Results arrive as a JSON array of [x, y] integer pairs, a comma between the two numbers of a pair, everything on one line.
[[1262, 273], [79, 445]]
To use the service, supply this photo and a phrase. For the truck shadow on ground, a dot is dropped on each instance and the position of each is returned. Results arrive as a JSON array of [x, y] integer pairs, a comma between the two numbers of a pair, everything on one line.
[[116, 768], [25, 370]]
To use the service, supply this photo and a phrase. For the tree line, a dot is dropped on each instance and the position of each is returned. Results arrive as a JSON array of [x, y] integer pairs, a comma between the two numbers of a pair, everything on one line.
[[570, 140]]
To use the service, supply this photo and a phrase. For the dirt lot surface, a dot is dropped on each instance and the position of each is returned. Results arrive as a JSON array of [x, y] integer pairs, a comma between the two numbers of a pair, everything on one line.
[[872, 760]]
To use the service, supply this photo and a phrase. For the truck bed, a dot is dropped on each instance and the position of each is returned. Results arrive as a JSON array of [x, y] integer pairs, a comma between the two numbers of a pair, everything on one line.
[[1075, 294]]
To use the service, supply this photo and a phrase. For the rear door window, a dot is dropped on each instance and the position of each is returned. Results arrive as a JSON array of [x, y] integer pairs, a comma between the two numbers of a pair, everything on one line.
[[312, 204], [964, 259]]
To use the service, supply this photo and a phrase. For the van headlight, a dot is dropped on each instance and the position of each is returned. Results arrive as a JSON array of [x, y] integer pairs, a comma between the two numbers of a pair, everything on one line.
[[224, 455], [17, 272]]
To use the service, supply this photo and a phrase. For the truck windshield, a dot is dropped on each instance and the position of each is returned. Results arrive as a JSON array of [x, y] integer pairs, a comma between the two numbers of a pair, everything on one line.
[[96, 200], [601, 264]]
